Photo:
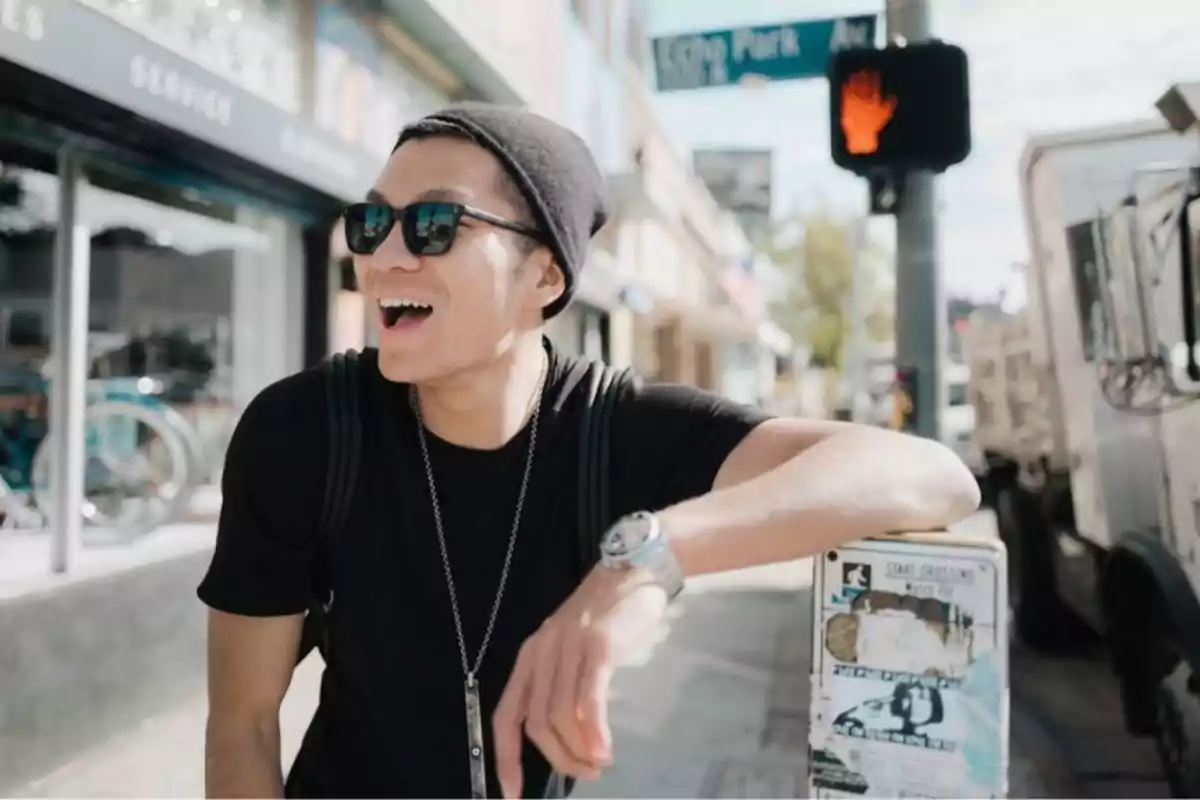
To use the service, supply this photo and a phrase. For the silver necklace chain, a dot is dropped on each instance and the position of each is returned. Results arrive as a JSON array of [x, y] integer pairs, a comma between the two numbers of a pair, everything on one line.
[[470, 670]]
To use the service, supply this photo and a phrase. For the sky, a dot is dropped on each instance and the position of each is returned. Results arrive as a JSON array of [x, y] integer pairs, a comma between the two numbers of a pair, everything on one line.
[[1036, 66]]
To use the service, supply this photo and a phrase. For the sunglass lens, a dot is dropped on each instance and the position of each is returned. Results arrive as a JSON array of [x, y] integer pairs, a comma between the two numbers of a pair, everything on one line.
[[367, 225], [429, 228]]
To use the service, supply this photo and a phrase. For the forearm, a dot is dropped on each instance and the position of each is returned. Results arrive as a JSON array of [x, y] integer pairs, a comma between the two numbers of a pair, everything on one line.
[[850, 486], [242, 759]]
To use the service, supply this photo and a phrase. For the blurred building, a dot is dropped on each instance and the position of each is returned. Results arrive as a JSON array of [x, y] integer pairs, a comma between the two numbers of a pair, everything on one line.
[[673, 289], [591, 102], [958, 312]]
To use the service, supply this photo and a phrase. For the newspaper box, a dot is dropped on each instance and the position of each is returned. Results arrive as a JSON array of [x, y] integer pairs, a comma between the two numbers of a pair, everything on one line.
[[910, 669]]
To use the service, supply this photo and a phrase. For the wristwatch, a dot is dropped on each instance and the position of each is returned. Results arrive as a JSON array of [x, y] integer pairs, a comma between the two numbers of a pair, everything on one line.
[[637, 541]]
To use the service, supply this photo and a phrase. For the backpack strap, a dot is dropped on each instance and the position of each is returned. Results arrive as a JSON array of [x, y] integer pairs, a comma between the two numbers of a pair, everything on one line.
[[595, 511], [594, 507], [342, 392], [345, 440]]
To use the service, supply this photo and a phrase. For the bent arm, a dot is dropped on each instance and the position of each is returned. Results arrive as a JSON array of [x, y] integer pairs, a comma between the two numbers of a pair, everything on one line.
[[259, 582], [250, 662], [794, 488]]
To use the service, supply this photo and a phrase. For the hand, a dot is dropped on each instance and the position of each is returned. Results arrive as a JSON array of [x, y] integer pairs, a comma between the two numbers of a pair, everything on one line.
[[559, 686], [865, 112]]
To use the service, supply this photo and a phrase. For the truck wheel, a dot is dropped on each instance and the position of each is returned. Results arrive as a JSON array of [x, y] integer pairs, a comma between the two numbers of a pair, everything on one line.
[[1040, 618], [1177, 732], [987, 491]]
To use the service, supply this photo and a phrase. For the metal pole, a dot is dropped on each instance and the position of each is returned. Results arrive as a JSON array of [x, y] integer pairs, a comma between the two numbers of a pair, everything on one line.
[[856, 355], [920, 312], [68, 366]]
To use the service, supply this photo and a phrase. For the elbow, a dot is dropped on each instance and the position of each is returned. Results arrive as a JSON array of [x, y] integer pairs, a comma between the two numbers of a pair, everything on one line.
[[964, 498], [939, 489], [951, 493], [932, 488], [922, 484]]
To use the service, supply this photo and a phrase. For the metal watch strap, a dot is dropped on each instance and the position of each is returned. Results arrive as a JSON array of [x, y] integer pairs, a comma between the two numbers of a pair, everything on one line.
[[654, 555]]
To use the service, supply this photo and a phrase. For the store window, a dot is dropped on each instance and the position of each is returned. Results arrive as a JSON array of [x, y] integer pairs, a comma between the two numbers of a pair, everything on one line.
[[1089, 290], [362, 91], [177, 341], [178, 286], [348, 312], [28, 221], [957, 395]]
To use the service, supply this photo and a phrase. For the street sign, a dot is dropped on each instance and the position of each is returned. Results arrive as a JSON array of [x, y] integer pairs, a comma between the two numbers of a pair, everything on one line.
[[740, 180], [781, 52], [910, 679]]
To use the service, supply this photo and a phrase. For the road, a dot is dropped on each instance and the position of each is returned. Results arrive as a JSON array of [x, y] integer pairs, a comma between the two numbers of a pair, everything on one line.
[[717, 709], [1071, 705], [1066, 715]]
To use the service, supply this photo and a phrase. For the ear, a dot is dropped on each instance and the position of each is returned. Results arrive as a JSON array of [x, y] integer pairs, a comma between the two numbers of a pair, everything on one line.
[[549, 282]]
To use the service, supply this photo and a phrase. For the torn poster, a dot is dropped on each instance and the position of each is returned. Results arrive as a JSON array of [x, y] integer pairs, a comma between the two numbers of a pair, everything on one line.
[[910, 669]]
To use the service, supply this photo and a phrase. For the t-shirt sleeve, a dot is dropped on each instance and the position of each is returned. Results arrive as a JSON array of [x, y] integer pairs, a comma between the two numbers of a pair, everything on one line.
[[272, 484], [669, 442]]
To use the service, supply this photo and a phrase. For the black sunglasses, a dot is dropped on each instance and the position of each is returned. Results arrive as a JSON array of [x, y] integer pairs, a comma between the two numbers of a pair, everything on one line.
[[429, 228]]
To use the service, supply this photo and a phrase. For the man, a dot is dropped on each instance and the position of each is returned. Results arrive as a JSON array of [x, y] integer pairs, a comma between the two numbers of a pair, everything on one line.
[[902, 406], [458, 597]]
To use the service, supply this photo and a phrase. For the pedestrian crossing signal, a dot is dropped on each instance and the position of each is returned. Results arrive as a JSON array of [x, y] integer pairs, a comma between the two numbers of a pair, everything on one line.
[[899, 108], [865, 112]]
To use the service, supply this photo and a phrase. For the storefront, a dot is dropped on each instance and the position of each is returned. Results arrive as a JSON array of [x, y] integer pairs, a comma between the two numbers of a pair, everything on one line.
[[582, 329], [678, 347], [165, 210], [593, 325]]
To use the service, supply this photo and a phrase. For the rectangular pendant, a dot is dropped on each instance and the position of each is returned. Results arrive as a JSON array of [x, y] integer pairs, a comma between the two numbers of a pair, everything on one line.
[[475, 739]]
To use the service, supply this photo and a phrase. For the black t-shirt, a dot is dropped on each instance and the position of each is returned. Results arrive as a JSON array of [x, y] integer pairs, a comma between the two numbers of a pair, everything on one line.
[[391, 720]]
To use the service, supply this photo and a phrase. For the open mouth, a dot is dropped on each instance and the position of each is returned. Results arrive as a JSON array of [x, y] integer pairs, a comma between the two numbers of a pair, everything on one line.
[[403, 312]]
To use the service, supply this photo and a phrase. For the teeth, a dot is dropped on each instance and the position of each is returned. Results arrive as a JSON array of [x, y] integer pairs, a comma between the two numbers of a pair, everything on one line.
[[402, 302]]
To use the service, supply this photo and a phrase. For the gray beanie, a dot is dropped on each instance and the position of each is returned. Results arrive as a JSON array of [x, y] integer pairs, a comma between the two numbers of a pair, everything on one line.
[[552, 167]]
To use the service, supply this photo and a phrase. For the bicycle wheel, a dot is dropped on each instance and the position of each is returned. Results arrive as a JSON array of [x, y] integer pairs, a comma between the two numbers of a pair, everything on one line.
[[15, 512], [198, 458], [132, 483]]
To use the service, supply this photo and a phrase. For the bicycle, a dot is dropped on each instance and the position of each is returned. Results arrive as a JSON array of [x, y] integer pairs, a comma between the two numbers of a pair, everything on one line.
[[161, 469], [145, 392]]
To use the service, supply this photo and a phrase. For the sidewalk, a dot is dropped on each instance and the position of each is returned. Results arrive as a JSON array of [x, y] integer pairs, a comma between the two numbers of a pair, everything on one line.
[[720, 709], [689, 717]]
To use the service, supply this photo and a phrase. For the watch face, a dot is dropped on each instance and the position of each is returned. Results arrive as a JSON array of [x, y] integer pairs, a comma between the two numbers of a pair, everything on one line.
[[627, 536]]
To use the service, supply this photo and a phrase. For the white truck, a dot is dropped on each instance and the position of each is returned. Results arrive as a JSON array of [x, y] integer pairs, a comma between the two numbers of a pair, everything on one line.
[[958, 417], [1087, 418]]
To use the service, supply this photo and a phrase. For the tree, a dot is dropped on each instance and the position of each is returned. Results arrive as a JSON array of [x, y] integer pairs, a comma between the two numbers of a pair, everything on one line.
[[816, 254]]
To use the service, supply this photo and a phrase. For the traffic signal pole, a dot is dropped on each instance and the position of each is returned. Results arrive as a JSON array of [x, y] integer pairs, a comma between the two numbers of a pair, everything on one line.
[[920, 310]]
